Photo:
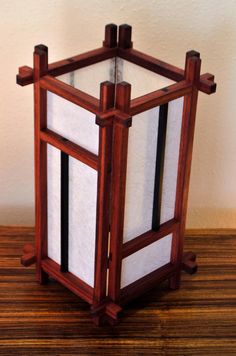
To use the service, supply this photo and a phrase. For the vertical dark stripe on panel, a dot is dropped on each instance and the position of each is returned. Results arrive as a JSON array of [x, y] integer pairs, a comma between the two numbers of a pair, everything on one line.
[[64, 210], [160, 156]]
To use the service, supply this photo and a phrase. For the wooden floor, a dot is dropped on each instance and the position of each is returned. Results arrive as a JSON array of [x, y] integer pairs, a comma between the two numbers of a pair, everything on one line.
[[198, 319]]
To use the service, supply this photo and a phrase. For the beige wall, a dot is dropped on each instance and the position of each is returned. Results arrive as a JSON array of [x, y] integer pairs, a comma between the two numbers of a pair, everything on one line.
[[163, 28]]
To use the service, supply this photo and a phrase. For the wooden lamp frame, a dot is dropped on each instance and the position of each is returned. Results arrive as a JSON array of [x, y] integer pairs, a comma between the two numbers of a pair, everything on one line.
[[114, 111]]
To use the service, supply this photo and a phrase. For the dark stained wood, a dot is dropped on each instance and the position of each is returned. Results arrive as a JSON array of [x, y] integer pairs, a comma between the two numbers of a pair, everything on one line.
[[149, 237], [107, 98], [198, 319], [189, 263], [40, 160], [70, 281], [110, 40], [125, 33], [159, 97], [64, 211], [119, 167], [159, 169], [70, 93], [146, 283], [67, 65], [70, 148], [192, 75], [169, 71]]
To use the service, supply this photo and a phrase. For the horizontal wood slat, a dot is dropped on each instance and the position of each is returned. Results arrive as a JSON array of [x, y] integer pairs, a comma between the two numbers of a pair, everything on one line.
[[146, 283], [206, 84], [148, 238], [73, 283], [70, 93], [70, 148], [159, 97], [69, 64]]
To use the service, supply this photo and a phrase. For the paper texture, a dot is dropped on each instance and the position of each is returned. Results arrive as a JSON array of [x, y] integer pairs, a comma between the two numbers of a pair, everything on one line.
[[72, 122], [146, 260], [82, 215], [78, 125], [141, 169]]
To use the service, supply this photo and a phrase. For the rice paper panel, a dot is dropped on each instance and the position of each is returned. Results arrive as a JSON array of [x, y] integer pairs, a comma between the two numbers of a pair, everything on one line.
[[88, 79], [54, 203], [72, 122], [146, 260], [142, 81], [140, 173], [173, 133], [82, 220]]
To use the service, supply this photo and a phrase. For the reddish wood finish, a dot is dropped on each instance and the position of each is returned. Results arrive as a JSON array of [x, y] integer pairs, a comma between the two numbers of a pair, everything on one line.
[[29, 256], [114, 113], [69, 64], [40, 115], [119, 166], [159, 97], [69, 148], [149, 237], [73, 283], [206, 84], [192, 75], [146, 283], [70, 93], [107, 98]]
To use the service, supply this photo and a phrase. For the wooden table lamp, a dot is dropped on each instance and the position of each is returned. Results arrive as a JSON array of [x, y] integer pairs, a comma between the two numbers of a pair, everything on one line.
[[114, 134]]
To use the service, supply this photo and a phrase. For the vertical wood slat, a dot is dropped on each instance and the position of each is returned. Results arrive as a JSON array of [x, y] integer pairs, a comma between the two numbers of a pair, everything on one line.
[[119, 168], [107, 97], [160, 157], [40, 122], [64, 211], [192, 74]]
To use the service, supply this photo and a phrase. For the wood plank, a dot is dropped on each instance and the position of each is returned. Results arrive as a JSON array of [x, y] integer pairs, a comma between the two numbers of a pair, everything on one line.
[[206, 83], [198, 319], [67, 65], [70, 93], [149, 237], [70, 148], [159, 97]]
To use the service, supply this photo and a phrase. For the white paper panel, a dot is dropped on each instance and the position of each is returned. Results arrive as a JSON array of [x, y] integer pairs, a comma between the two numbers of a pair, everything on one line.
[[174, 122], [82, 215], [140, 173], [142, 81], [54, 203], [72, 122], [146, 260], [141, 169], [82, 220], [89, 78]]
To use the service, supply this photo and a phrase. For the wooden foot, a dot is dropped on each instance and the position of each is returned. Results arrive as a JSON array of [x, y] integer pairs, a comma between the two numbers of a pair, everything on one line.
[[28, 258], [174, 281], [106, 313], [189, 263]]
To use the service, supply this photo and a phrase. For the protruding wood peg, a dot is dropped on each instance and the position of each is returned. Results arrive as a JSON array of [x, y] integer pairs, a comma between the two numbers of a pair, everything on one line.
[[29, 257], [125, 33], [110, 40], [189, 264]]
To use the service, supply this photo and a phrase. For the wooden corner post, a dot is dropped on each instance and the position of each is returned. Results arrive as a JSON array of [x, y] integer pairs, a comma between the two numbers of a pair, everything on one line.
[[121, 125], [107, 97], [192, 75], [40, 122]]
